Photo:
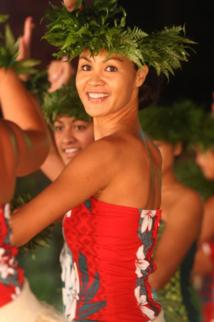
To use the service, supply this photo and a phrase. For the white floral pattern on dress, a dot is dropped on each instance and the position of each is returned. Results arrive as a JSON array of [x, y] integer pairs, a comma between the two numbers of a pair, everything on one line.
[[141, 264], [11, 275], [70, 278], [143, 260], [6, 264], [147, 216], [142, 303], [17, 293]]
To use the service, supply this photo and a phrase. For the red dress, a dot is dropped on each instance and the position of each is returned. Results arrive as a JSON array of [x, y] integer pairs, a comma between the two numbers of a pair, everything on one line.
[[207, 291], [108, 260], [11, 275]]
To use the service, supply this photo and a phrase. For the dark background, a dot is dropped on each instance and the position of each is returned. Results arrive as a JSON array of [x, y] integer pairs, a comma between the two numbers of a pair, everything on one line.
[[194, 81]]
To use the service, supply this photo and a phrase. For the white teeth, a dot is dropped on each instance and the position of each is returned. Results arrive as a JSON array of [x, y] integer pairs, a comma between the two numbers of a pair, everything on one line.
[[97, 95], [70, 150]]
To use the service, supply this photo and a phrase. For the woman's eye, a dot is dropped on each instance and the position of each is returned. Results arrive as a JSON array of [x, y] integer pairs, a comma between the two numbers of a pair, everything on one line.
[[111, 68], [58, 128], [80, 127], [85, 67]]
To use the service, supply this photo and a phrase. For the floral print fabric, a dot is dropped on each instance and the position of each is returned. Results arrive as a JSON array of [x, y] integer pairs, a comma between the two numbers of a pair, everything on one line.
[[11, 275], [147, 232], [107, 261]]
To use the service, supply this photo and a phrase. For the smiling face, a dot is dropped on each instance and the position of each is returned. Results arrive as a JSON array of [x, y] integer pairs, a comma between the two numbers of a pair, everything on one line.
[[71, 136], [106, 84]]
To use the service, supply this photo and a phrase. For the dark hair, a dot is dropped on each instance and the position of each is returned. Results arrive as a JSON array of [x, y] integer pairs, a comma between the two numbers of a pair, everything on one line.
[[149, 92]]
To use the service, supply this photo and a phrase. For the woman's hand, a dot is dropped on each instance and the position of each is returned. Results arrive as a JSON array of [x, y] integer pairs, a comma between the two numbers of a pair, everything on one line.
[[70, 4], [25, 40], [59, 74], [25, 44]]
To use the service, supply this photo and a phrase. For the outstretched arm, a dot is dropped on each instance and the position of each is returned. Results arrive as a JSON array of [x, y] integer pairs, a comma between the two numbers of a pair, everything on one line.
[[80, 180], [204, 260], [53, 165], [30, 138]]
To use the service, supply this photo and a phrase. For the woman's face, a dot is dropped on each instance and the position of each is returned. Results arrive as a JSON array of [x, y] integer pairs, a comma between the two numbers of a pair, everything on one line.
[[107, 84], [71, 136], [205, 160]]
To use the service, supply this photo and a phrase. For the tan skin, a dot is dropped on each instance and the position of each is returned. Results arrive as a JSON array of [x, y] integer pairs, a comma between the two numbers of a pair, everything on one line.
[[59, 73], [118, 148], [203, 263], [181, 210], [24, 140], [70, 136], [69, 4]]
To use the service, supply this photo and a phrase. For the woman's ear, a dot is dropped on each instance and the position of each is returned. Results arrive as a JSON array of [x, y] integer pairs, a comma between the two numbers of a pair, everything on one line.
[[178, 149], [141, 75]]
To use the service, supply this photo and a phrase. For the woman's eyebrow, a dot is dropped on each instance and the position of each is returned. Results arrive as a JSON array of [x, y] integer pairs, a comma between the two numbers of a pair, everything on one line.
[[105, 60], [113, 58], [85, 58]]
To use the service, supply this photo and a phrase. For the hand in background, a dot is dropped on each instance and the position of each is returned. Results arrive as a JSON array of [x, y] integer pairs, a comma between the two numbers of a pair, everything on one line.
[[70, 4], [25, 43], [59, 74], [25, 40]]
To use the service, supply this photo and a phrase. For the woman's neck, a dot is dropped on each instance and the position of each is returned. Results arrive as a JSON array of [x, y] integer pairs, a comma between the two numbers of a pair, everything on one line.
[[125, 120], [168, 180]]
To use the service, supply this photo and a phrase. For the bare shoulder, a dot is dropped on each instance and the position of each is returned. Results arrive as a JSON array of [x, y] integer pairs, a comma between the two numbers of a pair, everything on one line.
[[99, 156], [104, 149], [190, 196], [190, 200]]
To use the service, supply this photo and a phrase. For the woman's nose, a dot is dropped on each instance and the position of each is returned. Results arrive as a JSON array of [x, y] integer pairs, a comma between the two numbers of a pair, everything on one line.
[[68, 136], [96, 80]]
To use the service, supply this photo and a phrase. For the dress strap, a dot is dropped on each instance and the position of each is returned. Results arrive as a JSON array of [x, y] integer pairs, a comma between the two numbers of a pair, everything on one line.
[[153, 170]]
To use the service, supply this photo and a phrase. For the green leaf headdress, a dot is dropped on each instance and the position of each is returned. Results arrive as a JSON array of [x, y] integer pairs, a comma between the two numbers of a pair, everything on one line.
[[202, 125], [101, 24], [64, 101], [171, 124], [9, 52]]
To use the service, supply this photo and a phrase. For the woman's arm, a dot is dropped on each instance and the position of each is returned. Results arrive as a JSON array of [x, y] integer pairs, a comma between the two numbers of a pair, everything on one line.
[[181, 230], [8, 161], [81, 179], [204, 261], [53, 165], [31, 135]]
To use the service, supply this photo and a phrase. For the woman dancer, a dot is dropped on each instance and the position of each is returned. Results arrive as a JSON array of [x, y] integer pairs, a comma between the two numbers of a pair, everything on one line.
[[24, 145], [181, 209], [203, 142], [72, 128], [113, 185]]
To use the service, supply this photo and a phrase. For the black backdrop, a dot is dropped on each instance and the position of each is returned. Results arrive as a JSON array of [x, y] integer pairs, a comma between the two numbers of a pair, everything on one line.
[[195, 80]]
